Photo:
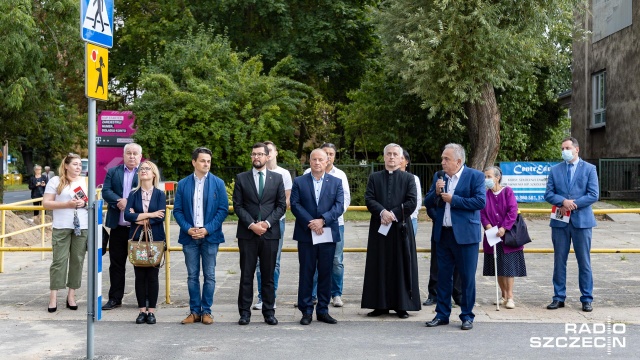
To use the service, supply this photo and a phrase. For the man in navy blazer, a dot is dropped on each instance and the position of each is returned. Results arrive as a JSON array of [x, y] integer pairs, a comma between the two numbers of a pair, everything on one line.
[[115, 191], [317, 200], [457, 230], [572, 186], [201, 205]]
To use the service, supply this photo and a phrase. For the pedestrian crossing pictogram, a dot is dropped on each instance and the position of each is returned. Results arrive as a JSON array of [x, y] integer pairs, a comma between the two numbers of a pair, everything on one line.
[[97, 22]]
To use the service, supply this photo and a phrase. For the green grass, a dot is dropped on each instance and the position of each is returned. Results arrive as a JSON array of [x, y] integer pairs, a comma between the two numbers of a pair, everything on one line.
[[16, 187], [542, 205], [626, 204]]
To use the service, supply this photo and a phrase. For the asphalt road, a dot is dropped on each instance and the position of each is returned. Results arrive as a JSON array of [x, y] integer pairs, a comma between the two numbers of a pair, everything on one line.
[[15, 196], [289, 340]]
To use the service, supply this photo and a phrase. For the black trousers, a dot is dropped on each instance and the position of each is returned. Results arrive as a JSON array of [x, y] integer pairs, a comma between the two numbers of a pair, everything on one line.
[[36, 212], [118, 241], [250, 251], [147, 286], [433, 277]]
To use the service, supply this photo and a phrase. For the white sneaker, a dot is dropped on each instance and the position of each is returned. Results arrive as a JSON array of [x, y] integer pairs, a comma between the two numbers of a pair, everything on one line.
[[337, 301], [258, 306], [510, 304], [502, 301]]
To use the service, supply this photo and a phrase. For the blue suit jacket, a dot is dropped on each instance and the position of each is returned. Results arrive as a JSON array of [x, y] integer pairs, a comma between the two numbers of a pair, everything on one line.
[[468, 199], [216, 208], [158, 202], [329, 207], [583, 190], [112, 191]]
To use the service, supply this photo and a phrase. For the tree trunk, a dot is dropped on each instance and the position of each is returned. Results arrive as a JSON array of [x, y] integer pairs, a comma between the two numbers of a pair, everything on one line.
[[484, 129]]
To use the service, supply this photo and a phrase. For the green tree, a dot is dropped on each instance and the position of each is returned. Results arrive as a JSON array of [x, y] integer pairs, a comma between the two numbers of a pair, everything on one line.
[[202, 93], [382, 111], [37, 113], [453, 54], [328, 41], [143, 29]]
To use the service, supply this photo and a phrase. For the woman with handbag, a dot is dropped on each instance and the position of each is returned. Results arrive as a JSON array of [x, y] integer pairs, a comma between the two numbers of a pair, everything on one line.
[[66, 196], [146, 206], [501, 210]]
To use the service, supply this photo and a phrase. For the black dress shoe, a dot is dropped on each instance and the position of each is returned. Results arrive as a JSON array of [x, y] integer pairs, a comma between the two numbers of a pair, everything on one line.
[[74, 307], [402, 314], [586, 306], [110, 305], [467, 325], [244, 320], [437, 322], [142, 318], [326, 318], [306, 319], [53, 309], [378, 312], [151, 319], [555, 304], [271, 320], [429, 302]]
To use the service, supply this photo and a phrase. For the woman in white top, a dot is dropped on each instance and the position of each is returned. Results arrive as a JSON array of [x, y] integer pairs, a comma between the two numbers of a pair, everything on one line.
[[404, 166], [66, 196]]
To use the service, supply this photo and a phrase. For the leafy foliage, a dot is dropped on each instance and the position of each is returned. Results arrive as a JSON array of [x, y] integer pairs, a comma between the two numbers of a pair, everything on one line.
[[201, 93], [41, 83], [328, 41]]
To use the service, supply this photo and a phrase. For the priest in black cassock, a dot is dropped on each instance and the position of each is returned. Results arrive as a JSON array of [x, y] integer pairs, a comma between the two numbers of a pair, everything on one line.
[[391, 271]]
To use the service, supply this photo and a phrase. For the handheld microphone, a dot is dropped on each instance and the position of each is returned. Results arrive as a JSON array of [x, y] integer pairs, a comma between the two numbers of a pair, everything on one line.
[[441, 177]]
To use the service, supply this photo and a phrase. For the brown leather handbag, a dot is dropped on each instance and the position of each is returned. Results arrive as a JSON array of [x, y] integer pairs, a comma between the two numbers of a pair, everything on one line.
[[145, 252]]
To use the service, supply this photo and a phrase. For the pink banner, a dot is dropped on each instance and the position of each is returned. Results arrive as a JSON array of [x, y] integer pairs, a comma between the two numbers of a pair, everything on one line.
[[116, 123]]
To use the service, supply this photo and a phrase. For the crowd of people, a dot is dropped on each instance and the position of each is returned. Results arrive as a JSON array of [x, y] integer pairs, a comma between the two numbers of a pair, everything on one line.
[[461, 202]]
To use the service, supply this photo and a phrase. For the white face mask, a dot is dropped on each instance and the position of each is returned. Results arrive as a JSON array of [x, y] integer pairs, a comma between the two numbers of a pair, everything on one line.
[[489, 183], [567, 155]]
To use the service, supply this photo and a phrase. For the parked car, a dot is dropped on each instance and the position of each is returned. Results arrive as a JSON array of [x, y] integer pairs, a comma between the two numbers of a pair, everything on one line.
[[85, 167]]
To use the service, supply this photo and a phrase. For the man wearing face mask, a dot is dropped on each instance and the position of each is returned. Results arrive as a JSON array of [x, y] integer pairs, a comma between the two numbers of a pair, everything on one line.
[[572, 186]]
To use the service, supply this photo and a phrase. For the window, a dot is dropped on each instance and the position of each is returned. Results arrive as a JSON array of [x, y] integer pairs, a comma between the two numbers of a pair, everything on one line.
[[599, 106]]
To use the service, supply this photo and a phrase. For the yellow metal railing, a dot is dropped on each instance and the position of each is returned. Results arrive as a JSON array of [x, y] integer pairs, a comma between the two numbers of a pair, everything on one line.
[[167, 223]]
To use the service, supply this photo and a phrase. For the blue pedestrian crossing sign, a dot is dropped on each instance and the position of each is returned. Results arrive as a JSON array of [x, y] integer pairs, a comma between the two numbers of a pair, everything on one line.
[[96, 22]]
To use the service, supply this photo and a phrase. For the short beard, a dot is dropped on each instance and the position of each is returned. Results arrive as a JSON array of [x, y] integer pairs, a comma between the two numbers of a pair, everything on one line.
[[257, 167]]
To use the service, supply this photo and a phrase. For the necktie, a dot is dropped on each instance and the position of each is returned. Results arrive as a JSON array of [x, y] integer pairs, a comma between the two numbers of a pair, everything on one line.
[[569, 174], [260, 184]]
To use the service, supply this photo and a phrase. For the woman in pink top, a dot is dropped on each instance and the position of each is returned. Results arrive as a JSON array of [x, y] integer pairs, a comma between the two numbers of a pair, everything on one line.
[[501, 211]]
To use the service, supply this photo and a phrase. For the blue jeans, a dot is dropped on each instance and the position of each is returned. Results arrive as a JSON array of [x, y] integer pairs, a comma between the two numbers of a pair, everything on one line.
[[562, 239], [276, 273], [337, 272], [200, 302]]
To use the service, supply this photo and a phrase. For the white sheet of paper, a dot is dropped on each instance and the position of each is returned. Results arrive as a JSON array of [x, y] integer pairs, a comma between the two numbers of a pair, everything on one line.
[[324, 238], [492, 236], [384, 229]]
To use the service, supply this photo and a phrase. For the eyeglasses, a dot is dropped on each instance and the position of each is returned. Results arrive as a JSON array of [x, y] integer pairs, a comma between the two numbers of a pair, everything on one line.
[[257, 155], [145, 169]]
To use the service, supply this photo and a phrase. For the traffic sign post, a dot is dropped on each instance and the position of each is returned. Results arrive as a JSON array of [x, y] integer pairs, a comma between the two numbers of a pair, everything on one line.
[[96, 28], [96, 22]]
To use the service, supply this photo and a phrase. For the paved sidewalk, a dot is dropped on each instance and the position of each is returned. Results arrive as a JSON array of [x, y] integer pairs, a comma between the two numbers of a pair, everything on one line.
[[25, 282]]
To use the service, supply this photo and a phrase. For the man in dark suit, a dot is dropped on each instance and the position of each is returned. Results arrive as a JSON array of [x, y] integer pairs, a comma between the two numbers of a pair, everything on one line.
[[115, 191], [572, 186], [201, 205], [458, 200], [317, 201], [259, 201]]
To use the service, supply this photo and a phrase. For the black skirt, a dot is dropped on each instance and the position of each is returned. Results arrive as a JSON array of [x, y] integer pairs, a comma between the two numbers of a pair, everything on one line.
[[511, 264]]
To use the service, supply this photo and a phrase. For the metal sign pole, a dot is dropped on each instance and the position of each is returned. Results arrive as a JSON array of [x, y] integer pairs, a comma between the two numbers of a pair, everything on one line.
[[91, 240]]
